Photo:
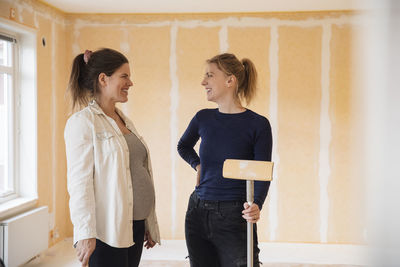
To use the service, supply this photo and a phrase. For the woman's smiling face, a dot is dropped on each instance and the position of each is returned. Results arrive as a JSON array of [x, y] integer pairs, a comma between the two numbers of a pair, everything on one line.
[[216, 83], [118, 85]]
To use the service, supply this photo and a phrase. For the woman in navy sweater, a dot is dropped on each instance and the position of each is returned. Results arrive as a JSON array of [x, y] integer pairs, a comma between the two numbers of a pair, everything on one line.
[[215, 225]]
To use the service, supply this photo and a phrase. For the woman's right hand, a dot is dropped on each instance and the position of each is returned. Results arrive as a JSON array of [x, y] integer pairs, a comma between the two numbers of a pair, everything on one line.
[[85, 248], [198, 168]]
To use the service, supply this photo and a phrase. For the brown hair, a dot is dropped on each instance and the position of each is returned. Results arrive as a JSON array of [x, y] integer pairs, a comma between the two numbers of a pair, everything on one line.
[[83, 82], [244, 71]]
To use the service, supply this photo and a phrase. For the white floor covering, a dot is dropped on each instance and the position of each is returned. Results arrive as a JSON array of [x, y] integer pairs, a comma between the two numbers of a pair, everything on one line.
[[173, 252]]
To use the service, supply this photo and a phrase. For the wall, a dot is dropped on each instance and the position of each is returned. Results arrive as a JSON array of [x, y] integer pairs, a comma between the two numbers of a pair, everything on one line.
[[307, 71], [52, 76]]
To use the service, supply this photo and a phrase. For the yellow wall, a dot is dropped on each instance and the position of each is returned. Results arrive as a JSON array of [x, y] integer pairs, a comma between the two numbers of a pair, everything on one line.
[[302, 58], [52, 77]]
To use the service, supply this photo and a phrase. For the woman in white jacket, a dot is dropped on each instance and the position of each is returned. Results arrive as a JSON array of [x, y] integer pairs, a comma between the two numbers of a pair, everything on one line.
[[110, 183]]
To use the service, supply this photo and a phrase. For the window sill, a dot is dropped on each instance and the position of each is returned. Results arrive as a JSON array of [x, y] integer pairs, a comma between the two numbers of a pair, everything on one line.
[[15, 206]]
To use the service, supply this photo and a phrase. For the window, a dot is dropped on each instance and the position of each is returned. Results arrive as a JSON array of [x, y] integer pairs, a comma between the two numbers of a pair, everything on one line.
[[8, 50], [18, 118]]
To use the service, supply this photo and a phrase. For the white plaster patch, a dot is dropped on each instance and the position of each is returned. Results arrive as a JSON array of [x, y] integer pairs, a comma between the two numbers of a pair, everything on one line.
[[325, 133], [223, 39], [51, 220], [124, 45], [54, 117], [35, 20], [76, 49], [273, 118], [47, 15], [21, 18], [234, 22], [174, 97], [75, 46]]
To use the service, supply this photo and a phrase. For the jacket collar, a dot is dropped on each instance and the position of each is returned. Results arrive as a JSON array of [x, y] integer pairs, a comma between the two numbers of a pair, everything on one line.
[[95, 107]]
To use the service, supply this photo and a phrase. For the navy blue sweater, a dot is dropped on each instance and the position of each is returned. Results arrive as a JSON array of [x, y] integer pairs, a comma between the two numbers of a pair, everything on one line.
[[245, 135]]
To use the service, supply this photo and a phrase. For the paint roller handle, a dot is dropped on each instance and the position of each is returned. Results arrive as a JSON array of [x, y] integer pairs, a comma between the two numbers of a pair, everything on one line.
[[250, 200]]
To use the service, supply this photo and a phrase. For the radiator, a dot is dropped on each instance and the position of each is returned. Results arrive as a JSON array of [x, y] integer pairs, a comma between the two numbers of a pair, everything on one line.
[[24, 236]]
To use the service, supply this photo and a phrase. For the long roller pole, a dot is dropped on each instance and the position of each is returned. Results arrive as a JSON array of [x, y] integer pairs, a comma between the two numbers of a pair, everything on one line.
[[250, 199]]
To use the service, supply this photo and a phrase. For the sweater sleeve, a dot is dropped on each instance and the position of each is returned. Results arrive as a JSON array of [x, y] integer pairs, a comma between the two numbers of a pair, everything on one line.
[[262, 151], [188, 141]]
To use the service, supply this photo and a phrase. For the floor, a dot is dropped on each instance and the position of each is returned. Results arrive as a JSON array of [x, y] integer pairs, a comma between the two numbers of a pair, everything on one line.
[[173, 253]]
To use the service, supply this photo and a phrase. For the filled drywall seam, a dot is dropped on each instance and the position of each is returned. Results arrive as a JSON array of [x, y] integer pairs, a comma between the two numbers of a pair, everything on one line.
[[174, 96], [273, 117], [325, 133]]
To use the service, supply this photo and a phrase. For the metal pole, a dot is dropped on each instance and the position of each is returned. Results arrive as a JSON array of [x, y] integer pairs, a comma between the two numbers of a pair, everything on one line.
[[250, 199]]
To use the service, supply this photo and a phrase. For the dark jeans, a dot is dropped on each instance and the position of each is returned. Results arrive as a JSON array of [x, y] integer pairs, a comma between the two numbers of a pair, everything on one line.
[[107, 256], [216, 234]]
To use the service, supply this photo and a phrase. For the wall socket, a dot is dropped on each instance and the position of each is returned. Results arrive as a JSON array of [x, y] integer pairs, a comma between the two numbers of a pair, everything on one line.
[[12, 13]]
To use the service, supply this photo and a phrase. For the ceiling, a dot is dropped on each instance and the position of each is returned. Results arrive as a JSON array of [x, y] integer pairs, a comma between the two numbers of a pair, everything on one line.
[[201, 6]]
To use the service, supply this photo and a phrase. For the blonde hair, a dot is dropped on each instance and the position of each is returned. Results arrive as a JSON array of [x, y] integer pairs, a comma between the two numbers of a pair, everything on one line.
[[244, 71]]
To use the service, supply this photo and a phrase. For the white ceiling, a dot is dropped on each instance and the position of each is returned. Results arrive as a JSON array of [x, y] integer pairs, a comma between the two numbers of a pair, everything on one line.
[[200, 6]]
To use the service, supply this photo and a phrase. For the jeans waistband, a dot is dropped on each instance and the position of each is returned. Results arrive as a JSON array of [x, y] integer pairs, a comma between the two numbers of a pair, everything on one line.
[[217, 204]]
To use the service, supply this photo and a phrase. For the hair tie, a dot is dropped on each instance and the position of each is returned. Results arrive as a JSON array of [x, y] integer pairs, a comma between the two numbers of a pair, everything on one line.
[[87, 55]]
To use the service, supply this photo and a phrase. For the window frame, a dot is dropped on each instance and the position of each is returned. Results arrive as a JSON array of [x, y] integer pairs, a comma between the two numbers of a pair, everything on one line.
[[25, 120]]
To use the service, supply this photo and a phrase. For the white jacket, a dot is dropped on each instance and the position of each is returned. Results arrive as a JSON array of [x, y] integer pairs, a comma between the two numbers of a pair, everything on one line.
[[99, 178]]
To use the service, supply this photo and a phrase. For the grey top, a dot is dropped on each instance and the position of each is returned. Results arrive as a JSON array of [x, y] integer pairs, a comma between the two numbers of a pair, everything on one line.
[[143, 189]]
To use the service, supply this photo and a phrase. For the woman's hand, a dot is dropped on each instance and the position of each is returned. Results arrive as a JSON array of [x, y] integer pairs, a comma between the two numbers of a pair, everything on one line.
[[149, 243], [198, 168], [251, 213], [85, 248]]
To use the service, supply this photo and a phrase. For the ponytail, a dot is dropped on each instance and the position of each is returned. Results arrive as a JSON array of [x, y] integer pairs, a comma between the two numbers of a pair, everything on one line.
[[247, 89], [78, 95]]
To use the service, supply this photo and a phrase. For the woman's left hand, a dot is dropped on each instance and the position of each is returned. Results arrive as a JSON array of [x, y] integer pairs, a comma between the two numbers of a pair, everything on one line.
[[251, 213], [149, 243]]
